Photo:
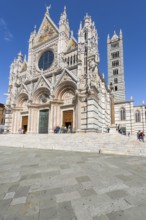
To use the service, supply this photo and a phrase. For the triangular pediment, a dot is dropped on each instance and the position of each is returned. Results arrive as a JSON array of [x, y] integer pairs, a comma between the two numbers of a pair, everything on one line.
[[42, 82], [66, 76], [47, 30], [72, 45], [24, 67], [23, 89]]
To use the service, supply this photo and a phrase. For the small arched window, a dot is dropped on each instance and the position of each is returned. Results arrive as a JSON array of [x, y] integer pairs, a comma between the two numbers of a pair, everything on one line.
[[71, 60], [74, 59], [116, 88], [115, 80], [122, 114], [115, 72], [137, 116], [86, 35]]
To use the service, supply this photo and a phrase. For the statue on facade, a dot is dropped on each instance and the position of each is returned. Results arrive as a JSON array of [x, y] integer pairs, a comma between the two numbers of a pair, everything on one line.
[[92, 72]]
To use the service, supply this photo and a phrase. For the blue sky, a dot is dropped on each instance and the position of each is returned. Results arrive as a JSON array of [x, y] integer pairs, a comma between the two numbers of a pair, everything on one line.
[[17, 19]]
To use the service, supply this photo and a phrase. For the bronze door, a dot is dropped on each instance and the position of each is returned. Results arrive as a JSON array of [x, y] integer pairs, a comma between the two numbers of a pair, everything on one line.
[[43, 121]]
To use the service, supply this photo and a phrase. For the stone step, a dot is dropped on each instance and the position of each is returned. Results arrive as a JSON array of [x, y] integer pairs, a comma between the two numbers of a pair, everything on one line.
[[85, 142]]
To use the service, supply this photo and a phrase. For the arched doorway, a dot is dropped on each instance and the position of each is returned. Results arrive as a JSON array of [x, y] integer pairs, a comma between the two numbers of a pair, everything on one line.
[[41, 98], [21, 103]]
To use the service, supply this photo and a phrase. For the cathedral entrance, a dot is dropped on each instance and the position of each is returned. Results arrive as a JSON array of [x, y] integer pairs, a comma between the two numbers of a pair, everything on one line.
[[24, 123], [43, 121], [68, 118]]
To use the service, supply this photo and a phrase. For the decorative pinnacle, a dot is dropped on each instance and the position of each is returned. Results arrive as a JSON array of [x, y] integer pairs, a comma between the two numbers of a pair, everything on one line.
[[81, 25], [34, 29], [20, 54], [25, 58], [121, 35], [72, 33], [108, 38]]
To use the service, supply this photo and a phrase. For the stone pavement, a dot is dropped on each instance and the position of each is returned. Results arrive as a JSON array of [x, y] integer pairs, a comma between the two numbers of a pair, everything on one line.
[[57, 185]]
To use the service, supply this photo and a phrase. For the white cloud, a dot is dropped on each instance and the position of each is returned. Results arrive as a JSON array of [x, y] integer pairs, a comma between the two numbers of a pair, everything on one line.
[[4, 31]]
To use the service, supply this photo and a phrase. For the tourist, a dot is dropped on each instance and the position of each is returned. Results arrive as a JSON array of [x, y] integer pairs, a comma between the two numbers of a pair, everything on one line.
[[138, 135], [57, 130], [141, 136], [65, 130], [108, 129], [69, 129], [119, 128]]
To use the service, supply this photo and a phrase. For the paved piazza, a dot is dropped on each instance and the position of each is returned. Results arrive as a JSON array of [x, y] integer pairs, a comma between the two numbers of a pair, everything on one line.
[[53, 185]]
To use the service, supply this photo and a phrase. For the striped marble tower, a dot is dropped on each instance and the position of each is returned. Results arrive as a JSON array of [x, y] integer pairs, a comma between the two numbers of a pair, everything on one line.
[[116, 80]]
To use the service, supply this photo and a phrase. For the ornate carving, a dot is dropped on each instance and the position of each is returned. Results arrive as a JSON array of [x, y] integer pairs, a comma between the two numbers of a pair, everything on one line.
[[44, 98], [66, 77], [92, 73], [47, 32], [68, 97], [83, 81]]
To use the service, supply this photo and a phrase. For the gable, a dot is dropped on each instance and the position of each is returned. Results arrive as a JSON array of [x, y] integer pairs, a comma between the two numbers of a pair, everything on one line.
[[23, 89], [47, 31], [42, 82], [71, 45], [24, 67], [66, 76]]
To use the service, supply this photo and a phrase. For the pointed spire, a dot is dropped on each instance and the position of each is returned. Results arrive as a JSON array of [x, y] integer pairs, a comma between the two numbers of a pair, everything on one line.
[[34, 31], [80, 26], [72, 34], [20, 56], [108, 38], [63, 17], [115, 36], [64, 13], [65, 9], [121, 35], [25, 58]]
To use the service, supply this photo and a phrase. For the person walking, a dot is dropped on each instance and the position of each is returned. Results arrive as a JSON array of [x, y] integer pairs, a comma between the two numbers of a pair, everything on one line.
[[142, 136]]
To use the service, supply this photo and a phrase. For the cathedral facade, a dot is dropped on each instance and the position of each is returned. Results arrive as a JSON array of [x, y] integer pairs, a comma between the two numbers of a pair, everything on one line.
[[59, 82]]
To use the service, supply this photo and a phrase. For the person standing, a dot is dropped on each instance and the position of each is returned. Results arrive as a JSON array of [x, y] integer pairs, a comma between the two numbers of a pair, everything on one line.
[[142, 136], [138, 135]]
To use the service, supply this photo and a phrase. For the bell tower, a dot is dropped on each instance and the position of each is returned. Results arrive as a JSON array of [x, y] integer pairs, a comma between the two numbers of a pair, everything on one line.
[[116, 80]]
